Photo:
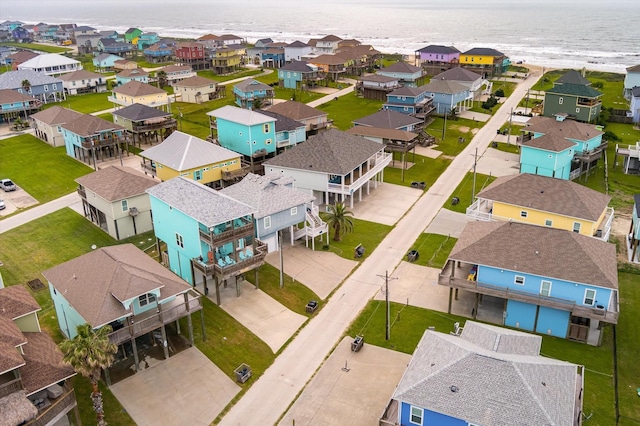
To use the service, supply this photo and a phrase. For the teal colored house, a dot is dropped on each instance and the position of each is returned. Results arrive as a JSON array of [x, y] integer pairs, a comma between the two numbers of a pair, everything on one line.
[[298, 74], [289, 132], [481, 374], [105, 61], [147, 39], [208, 235], [136, 74], [407, 75], [560, 148], [633, 237], [14, 105], [92, 139], [551, 281], [573, 95], [249, 91]]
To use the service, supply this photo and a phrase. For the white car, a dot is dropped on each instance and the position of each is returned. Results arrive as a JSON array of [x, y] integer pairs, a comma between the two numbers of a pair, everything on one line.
[[7, 185], [2, 205]]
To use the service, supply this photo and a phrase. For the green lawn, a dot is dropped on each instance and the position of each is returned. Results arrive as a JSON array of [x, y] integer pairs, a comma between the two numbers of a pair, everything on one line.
[[628, 349], [195, 120], [507, 87], [612, 84], [511, 148], [369, 234], [223, 78], [424, 169], [464, 191], [456, 129], [87, 103], [46, 48], [434, 249], [348, 108], [44, 172]]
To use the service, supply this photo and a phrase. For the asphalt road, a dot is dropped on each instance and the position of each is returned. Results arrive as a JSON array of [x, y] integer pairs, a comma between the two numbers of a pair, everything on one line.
[[272, 393]]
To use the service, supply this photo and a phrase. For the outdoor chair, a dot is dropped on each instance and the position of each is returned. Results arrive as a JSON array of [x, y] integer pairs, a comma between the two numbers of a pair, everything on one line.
[[242, 256], [221, 263], [229, 261]]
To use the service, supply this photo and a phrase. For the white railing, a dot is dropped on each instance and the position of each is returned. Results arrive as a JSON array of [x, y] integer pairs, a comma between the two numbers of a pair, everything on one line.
[[574, 174], [606, 226], [479, 210], [381, 161]]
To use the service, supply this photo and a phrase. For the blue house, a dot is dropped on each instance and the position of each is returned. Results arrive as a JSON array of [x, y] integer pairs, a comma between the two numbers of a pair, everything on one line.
[[279, 207], [289, 132], [485, 375], [247, 92], [272, 57], [136, 74], [118, 48], [553, 281], [207, 234], [42, 87], [407, 75], [298, 75], [91, 139], [631, 81], [561, 148], [147, 39], [105, 61], [14, 105], [159, 52], [21, 35], [447, 95], [250, 133], [389, 119], [633, 237], [410, 100]]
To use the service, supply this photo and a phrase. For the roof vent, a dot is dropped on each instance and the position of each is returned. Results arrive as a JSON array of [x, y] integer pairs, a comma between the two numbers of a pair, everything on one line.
[[454, 388]]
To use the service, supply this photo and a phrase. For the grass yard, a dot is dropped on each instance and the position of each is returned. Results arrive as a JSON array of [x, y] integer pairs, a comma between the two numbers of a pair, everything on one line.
[[507, 87], [464, 190], [223, 78], [434, 249], [456, 129], [44, 172], [142, 63], [195, 120], [424, 169], [612, 85], [628, 349], [369, 234], [348, 108], [46, 48], [511, 148], [87, 103]]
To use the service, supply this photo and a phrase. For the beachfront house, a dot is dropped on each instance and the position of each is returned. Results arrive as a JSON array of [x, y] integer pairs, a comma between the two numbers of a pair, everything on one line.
[[279, 207], [35, 384], [545, 201], [144, 123], [249, 92], [184, 155], [389, 119], [296, 51], [47, 124], [299, 75], [42, 87], [489, 63], [551, 281], [436, 58], [407, 75], [136, 92], [573, 96], [447, 95], [114, 199], [415, 101], [83, 81], [132, 34], [121, 286], [485, 375], [198, 89], [147, 39], [560, 148], [91, 139], [333, 166], [207, 234], [631, 80], [328, 44], [192, 54], [315, 120]]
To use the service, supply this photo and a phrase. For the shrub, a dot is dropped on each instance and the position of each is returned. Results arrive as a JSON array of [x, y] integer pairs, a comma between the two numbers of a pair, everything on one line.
[[500, 93], [610, 136]]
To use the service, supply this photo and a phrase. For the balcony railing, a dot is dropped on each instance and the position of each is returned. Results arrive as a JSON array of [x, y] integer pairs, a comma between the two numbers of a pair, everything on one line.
[[98, 143], [382, 160], [593, 154], [234, 174], [169, 123], [148, 168], [63, 404], [10, 387], [609, 314], [150, 320], [216, 237], [604, 230], [317, 126], [237, 268]]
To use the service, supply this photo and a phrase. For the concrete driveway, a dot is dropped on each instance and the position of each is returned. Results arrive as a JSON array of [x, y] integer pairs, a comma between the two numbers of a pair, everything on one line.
[[386, 204], [356, 397], [186, 389], [16, 200], [498, 163], [448, 222]]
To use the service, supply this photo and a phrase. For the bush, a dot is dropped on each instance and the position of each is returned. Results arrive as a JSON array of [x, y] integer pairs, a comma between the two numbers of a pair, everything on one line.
[[610, 136], [597, 85], [490, 103], [500, 93]]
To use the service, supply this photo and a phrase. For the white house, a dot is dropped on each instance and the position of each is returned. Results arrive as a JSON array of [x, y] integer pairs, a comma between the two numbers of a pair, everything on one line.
[[51, 64], [83, 81], [296, 51]]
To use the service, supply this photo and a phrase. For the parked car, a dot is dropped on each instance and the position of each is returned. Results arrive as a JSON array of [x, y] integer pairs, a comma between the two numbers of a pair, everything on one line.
[[7, 185], [2, 205]]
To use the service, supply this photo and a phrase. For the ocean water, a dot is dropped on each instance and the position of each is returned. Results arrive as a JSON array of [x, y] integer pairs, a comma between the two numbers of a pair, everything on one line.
[[596, 34]]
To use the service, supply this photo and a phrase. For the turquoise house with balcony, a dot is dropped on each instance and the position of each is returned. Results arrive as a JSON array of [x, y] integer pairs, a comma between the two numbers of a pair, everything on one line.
[[297, 74], [410, 100], [447, 95], [208, 236], [407, 75], [249, 91], [550, 281]]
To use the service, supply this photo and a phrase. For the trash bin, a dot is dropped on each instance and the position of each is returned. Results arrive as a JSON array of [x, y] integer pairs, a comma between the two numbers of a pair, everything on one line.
[[413, 255], [357, 343], [455, 201]]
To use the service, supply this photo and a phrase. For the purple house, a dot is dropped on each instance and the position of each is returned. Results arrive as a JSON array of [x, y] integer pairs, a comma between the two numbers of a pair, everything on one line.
[[435, 58]]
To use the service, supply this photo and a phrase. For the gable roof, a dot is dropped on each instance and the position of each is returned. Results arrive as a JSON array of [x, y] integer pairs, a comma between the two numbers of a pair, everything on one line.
[[283, 123], [401, 67], [572, 77], [268, 194], [567, 128], [390, 134], [95, 284], [444, 86], [378, 78], [43, 363], [116, 183], [297, 110], [14, 79], [332, 151], [327, 59], [538, 250], [138, 112], [251, 85], [206, 205], [241, 115], [575, 90], [454, 376], [330, 37], [22, 56], [16, 302], [48, 60], [458, 74], [181, 152], [137, 88], [483, 51], [548, 194], [300, 66], [387, 119], [8, 96], [56, 115], [88, 125], [298, 43], [79, 75], [134, 72], [439, 49]]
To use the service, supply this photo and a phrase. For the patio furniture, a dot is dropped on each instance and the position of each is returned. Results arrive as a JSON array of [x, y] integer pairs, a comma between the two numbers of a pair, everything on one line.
[[357, 343], [312, 306], [243, 373], [221, 263], [242, 256], [358, 251], [228, 260]]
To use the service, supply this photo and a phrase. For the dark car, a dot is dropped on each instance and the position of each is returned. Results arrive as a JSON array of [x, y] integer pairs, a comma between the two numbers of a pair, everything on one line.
[[7, 185]]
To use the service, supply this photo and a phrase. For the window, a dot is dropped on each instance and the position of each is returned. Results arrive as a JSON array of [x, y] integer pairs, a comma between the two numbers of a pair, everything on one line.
[[416, 416], [523, 213], [179, 241], [589, 297], [577, 110], [267, 222], [294, 211], [519, 280], [146, 299], [548, 222], [545, 288], [268, 141], [55, 87], [197, 175], [560, 100], [46, 88], [125, 205], [576, 227], [266, 128]]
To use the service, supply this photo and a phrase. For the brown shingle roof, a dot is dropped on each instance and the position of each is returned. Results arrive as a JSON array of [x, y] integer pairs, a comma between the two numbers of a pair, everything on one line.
[[328, 60], [88, 125], [195, 81], [537, 250], [297, 110], [79, 75], [10, 333], [567, 128], [56, 115], [136, 72], [16, 301], [8, 96], [137, 88], [44, 363], [116, 183], [10, 358], [549, 195], [95, 283], [551, 142]]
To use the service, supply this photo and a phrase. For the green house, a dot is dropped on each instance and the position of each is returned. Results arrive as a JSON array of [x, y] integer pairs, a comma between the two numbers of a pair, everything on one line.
[[131, 35], [573, 95]]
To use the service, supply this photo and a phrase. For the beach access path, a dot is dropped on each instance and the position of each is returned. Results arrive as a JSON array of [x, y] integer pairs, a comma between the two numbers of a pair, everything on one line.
[[273, 392]]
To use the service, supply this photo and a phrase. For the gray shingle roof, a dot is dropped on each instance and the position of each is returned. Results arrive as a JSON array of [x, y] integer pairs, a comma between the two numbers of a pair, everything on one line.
[[181, 151], [538, 250], [240, 115], [299, 66], [297, 43], [13, 79], [283, 123], [401, 67], [137, 112], [457, 74], [408, 91], [484, 51], [96, 283], [333, 152], [135, 72], [79, 75], [56, 115], [88, 125], [453, 376], [444, 86], [116, 183], [268, 194], [377, 78], [572, 77], [297, 110], [634, 68], [548, 194], [551, 142], [251, 85], [434, 48], [208, 206], [387, 119], [8, 96]]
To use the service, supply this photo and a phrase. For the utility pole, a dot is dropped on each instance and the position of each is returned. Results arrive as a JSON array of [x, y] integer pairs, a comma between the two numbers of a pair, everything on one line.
[[509, 132], [475, 163], [444, 128], [281, 258], [386, 293], [526, 104]]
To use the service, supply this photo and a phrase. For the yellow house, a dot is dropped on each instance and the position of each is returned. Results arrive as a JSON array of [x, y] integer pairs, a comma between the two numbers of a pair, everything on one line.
[[545, 201], [135, 92], [184, 155], [486, 61]]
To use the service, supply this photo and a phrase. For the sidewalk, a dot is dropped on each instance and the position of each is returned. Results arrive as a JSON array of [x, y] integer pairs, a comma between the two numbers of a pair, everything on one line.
[[38, 212]]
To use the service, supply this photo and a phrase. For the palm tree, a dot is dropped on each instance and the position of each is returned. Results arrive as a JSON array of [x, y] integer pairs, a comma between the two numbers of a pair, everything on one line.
[[89, 353], [338, 218], [162, 79], [26, 86]]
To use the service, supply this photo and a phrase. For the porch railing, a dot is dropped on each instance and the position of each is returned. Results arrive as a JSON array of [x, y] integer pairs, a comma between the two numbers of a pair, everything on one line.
[[381, 161], [240, 266], [10, 387], [212, 238], [62, 404], [171, 122]]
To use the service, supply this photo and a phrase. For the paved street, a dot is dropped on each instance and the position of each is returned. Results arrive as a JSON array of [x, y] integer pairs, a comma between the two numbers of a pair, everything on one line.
[[270, 396]]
